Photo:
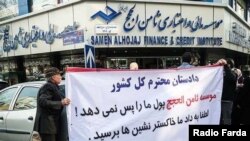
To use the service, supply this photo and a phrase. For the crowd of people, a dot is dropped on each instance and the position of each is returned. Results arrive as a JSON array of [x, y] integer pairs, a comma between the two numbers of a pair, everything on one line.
[[235, 101]]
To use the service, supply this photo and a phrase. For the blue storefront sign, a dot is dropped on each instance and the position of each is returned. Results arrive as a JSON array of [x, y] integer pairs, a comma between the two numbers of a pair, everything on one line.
[[73, 37]]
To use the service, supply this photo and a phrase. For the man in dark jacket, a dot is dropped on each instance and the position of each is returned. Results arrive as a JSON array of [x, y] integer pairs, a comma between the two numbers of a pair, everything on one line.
[[228, 92], [49, 106], [244, 99]]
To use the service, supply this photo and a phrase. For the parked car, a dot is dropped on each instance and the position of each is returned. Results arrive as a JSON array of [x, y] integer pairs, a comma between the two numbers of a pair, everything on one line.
[[18, 110]]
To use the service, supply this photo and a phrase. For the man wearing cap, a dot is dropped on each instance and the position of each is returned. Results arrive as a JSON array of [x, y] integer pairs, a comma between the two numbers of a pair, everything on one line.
[[50, 104]]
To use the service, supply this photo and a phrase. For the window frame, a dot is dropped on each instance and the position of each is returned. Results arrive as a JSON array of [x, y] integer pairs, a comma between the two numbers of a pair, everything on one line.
[[13, 97], [18, 94]]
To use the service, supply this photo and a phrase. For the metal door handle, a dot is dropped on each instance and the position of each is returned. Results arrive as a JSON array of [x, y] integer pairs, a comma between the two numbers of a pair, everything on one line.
[[30, 118]]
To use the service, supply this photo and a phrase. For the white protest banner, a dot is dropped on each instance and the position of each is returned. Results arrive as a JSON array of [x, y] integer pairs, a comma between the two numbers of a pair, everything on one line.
[[144, 105]]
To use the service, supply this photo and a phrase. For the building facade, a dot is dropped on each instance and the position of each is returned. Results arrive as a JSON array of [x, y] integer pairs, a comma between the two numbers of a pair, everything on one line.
[[153, 33]]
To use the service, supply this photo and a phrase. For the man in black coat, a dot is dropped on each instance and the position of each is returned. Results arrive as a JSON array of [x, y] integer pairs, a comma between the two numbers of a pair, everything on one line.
[[244, 100], [229, 90], [49, 106]]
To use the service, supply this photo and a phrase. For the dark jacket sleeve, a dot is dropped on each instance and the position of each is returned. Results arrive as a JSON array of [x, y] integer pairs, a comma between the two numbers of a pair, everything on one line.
[[229, 84], [46, 99], [244, 103], [231, 77]]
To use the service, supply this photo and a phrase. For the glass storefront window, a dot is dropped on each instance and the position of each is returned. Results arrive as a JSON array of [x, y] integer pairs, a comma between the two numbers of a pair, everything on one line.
[[34, 68], [172, 61], [8, 72], [118, 63], [72, 61], [144, 63], [7, 66]]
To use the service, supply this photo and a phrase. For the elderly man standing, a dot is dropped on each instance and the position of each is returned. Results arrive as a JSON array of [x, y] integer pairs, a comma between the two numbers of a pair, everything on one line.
[[49, 106]]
